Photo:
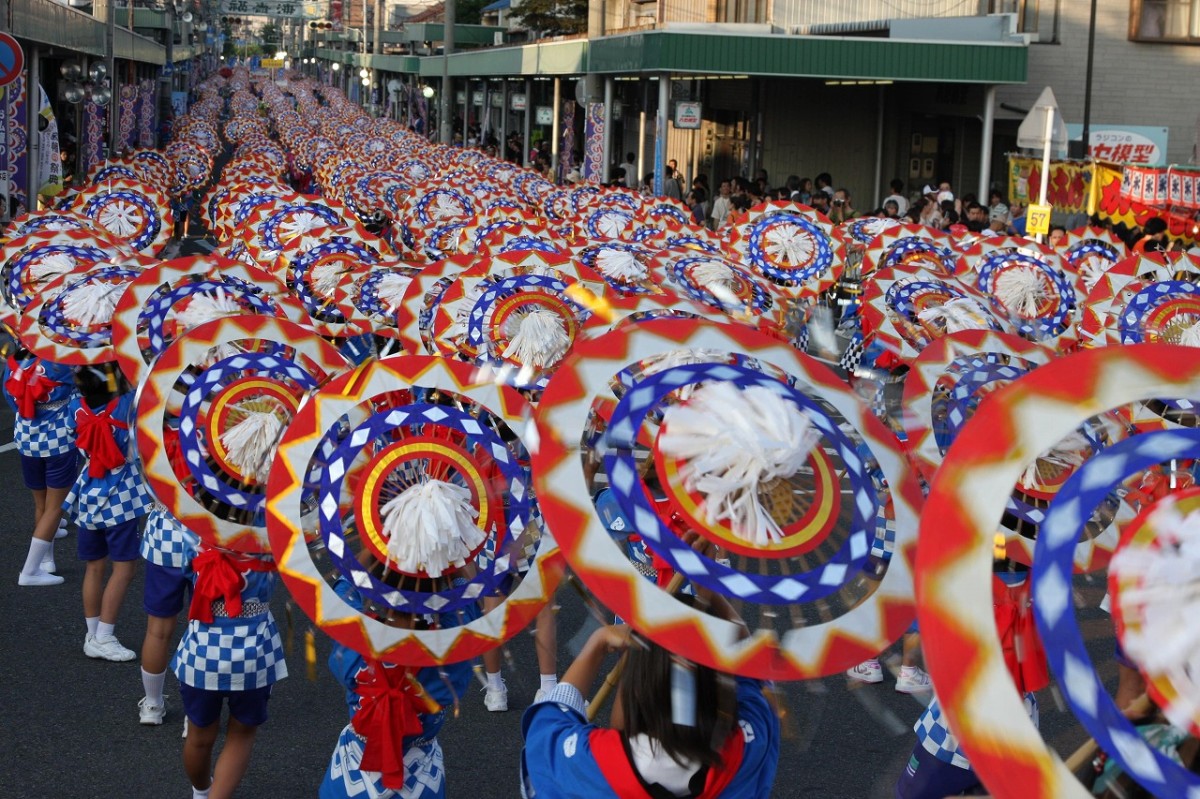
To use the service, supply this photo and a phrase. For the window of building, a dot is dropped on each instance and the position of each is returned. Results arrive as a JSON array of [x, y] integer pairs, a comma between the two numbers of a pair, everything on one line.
[[1039, 18], [1165, 21]]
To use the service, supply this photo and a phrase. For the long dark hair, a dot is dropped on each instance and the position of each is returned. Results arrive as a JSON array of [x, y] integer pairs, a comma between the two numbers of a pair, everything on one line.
[[645, 701]]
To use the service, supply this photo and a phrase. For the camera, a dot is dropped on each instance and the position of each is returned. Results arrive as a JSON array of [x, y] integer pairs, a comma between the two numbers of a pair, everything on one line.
[[839, 202]]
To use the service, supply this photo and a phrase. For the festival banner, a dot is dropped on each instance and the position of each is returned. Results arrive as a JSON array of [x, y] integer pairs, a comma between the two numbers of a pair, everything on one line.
[[1070, 189], [593, 148], [93, 135], [127, 121], [16, 143], [1114, 204], [566, 152], [148, 98], [49, 154]]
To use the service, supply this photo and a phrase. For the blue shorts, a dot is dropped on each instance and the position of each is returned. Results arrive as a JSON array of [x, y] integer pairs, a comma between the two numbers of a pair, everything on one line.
[[57, 471], [204, 707], [926, 777], [118, 543], [165, 592]]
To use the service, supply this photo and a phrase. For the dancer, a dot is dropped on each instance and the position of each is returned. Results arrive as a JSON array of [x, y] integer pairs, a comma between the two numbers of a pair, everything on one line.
[[722, 743], [44, 397], [167, 547], [391, 742], [106, 504], [231, 654]]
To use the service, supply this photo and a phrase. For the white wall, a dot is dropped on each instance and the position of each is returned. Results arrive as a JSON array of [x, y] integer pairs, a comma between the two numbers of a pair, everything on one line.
[[1133, 84]]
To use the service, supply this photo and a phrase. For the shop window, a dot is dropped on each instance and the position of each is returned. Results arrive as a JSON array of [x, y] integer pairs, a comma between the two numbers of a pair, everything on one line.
[[1176, 21], [1039, 18]]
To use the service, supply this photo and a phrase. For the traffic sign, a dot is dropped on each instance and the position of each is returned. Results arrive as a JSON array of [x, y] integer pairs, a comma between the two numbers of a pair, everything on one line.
[[1037, 219], [272, 63], [12, 59]]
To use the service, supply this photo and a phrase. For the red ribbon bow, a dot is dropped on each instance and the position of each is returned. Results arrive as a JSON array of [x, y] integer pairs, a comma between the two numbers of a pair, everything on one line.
[[219, 576], [28, 387], [95, 437], [390, 711]]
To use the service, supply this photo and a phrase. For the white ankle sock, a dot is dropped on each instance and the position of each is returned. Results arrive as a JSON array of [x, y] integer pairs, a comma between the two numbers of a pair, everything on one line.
[[199, 794], [549, 682], [908, 670], [37, 553], [153, 686], [92, 621], [494, 682], [104, 631]]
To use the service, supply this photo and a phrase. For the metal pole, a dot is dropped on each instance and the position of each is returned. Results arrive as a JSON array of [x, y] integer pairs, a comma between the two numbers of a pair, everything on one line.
[[504, 120], [33, 104], [608, 133], [447, 121], [1087, 86], [985, 145], [1046, 138], [641, 150], [879, 146], [110, 56], [528, 119], [554, 130], [466, 110], [660, 132], [378, 48]]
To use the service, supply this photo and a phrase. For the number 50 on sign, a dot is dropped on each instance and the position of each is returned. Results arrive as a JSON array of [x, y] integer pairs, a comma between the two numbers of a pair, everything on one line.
[[1038, 219]]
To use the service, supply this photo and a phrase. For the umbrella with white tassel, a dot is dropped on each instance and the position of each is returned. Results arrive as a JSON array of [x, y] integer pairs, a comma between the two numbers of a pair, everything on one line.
[[1021, 290], [538, 339], [1063, 456], [734, 443], [956, 315]]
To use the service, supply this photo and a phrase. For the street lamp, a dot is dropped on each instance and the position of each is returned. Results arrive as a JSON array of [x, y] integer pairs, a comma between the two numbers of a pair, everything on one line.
[[335, 66], [428, 92], [363, 73]]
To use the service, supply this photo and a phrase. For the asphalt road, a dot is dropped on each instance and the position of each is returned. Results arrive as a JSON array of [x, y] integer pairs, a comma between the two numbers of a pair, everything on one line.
[[69, 727]]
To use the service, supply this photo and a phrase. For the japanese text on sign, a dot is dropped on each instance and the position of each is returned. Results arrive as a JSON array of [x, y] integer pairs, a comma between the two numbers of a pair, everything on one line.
[[687, 115], [264, 8]]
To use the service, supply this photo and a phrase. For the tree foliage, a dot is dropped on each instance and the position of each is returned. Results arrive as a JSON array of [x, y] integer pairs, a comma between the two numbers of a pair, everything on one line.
[[553, 17], [470, 12]]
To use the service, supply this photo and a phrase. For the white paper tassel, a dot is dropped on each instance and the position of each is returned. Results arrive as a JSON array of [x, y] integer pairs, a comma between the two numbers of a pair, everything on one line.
[[250, 444], [391, 288], [324, 278], [206, 307], [672, 358], [734, 442], [93, 302], [1162, 606], [1021, 290], [718, 279], [621, 266], [960, 313], [43, 270], [1091, 270], [540, 339], [430, 526], [1066, 454], [1190, 335]]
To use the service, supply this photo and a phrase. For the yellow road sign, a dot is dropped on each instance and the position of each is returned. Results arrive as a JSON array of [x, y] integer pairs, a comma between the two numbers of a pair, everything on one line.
[[1037, 219], [272, 63]]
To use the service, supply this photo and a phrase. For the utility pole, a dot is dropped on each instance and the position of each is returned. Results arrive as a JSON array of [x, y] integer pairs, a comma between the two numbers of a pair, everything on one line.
[[447, 104]]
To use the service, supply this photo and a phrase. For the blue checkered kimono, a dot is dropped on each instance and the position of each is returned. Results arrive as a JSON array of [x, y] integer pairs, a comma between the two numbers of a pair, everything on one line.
[[166, 541], [935, 737], [48, 433], [425, 776], [235, 654], [98, 503]]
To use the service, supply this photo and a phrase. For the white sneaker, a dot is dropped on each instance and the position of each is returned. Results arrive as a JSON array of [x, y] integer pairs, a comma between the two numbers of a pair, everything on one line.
[[913, 680], [48, 564], [185, 726], [39, 578], [496, 701], [869, 671], [540, 695], [61, 532], [109, 649], [151, 715]]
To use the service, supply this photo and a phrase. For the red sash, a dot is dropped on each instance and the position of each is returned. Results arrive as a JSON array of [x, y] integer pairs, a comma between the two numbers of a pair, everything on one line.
[[608, 750], [388, 713], [1023, 652], [218, 576], [95, 437], [28, 387]]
